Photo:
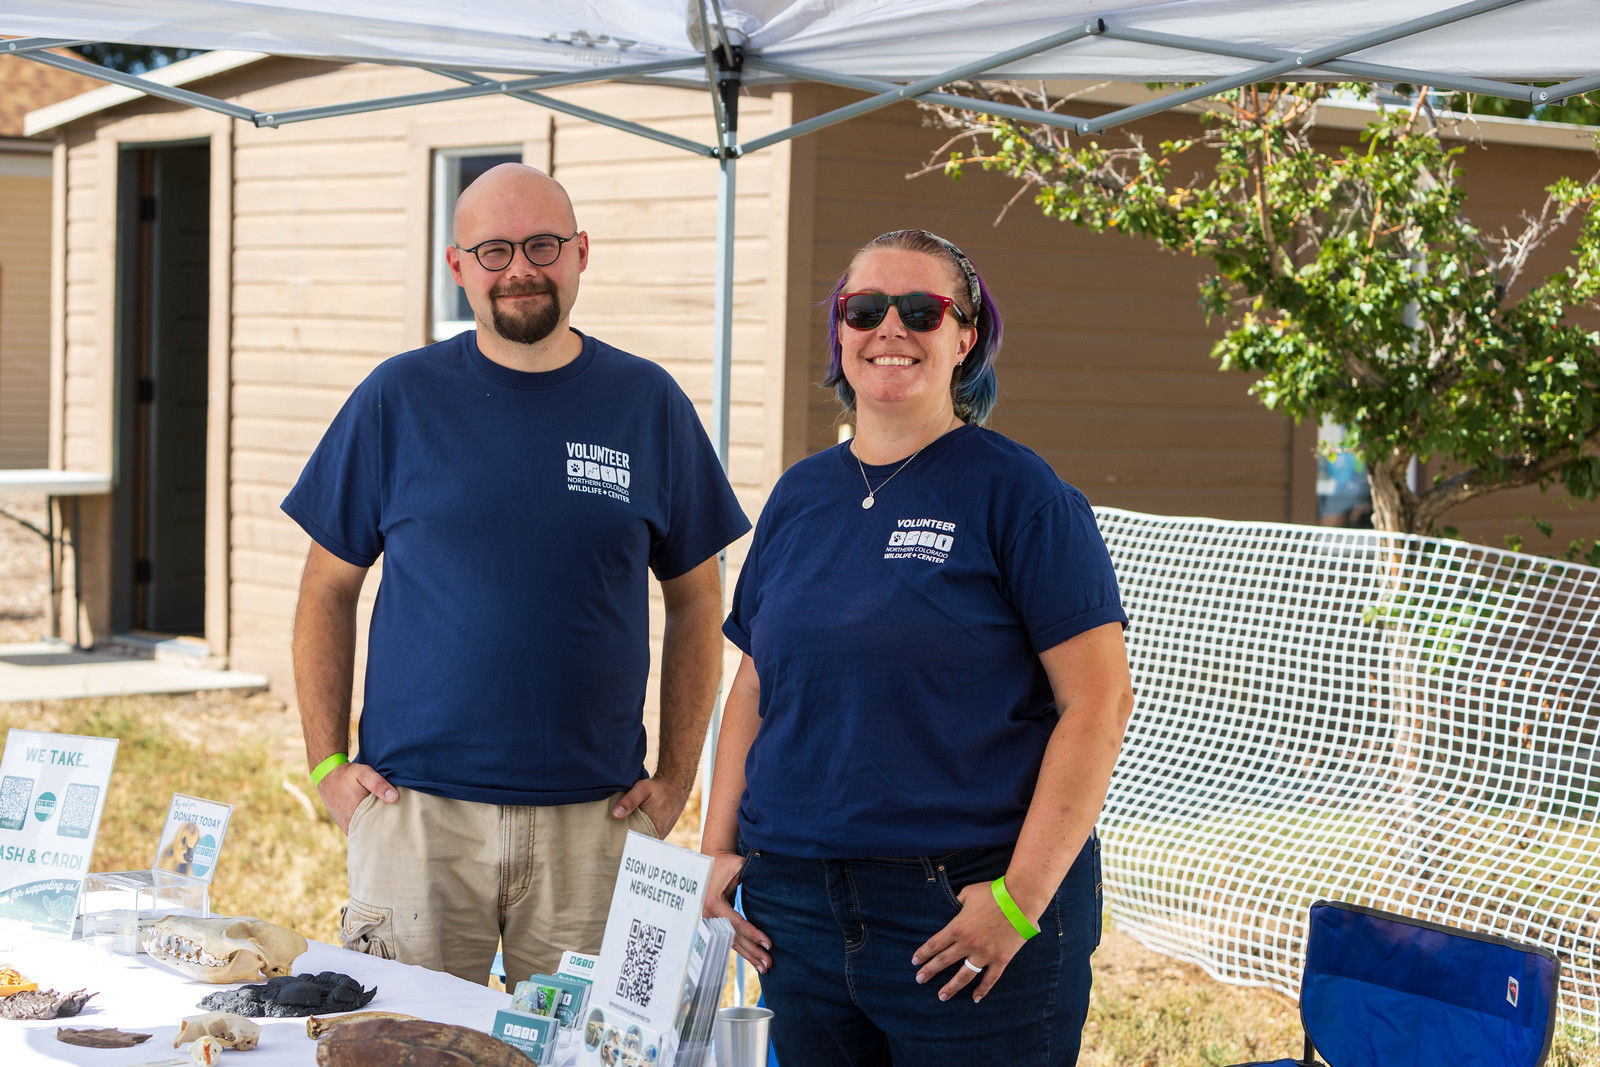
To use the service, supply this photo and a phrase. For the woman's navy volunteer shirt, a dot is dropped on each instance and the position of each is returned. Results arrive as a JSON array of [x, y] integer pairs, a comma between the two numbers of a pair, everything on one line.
[[904, 710], [516, 514]]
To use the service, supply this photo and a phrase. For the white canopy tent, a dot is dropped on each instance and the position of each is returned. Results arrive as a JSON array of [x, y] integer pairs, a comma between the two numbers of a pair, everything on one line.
[[894, 49]]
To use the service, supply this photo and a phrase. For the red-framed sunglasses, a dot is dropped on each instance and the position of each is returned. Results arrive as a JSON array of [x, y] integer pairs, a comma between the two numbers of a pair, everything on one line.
[[922, 312]]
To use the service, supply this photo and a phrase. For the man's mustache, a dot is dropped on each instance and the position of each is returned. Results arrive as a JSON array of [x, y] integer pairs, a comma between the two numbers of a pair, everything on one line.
[[523, 289]]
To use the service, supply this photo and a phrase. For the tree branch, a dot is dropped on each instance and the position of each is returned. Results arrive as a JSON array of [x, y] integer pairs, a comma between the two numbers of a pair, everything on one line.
[[1537, 231], [1470, 484], [1364, 372]]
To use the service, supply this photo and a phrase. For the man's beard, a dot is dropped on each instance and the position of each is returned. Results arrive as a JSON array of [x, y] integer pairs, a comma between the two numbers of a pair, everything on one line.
[[525, 323]]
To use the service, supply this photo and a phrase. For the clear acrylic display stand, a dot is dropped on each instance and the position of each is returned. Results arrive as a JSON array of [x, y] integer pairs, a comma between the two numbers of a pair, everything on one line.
[[117, 906]]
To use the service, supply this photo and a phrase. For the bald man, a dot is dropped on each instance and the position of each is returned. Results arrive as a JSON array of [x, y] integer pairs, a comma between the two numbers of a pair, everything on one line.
[[521, 482]]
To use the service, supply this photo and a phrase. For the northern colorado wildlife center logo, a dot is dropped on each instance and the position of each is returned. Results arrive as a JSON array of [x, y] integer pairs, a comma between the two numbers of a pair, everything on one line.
[[929, 540], [598, 469]]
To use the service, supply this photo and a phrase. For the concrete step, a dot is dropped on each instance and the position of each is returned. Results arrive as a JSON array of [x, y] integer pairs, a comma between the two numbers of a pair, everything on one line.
[[47, 670], [164, 648]]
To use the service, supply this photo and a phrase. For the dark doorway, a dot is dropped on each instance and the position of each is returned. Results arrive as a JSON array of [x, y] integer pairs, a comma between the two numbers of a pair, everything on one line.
[[163, 290]]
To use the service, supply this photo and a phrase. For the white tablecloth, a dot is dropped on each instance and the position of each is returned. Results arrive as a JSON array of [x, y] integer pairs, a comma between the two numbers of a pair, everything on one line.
[[135, 994]]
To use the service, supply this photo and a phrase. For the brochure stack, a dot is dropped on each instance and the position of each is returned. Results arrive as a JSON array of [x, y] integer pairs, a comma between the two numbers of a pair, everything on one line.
[[661, 968]]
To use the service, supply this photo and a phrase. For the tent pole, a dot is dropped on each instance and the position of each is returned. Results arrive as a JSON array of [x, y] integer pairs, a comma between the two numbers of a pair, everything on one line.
[[485, 87], [722, 313], [875, 85], [717, 111], [1567, 90], [21, 45], [1375, 72], [1307, 60], [567, 108], [898, 93], [724, 69], [133, 81], [727, 90]]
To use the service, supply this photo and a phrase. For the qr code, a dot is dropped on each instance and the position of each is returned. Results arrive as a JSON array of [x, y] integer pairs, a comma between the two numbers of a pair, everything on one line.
[[77, 810], [15, 793], [638, 981]]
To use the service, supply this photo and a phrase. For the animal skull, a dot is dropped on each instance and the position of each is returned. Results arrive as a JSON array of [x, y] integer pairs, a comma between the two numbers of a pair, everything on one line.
[[222, 951], [233, 1031]]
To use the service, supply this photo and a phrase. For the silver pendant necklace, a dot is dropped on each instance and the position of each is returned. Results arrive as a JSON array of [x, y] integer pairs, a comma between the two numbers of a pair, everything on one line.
[[871, 497]]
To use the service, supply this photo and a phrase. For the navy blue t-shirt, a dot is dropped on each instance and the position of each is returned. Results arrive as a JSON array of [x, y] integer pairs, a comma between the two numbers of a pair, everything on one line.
[[516, 515], [904, 710]]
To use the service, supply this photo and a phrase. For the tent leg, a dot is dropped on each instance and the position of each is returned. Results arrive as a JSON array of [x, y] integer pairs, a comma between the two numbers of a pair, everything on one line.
[[721, 385], [728, 65], [722, 313]]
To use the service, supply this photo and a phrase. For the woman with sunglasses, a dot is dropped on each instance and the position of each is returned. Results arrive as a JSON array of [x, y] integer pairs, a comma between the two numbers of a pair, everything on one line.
[[932, 696]]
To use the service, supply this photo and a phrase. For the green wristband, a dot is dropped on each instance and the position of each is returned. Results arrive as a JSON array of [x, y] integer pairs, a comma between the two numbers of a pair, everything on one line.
[[1008, 907], [320, 771]]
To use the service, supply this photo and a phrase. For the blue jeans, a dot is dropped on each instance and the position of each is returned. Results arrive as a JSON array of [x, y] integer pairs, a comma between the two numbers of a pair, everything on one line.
[[842, 986]]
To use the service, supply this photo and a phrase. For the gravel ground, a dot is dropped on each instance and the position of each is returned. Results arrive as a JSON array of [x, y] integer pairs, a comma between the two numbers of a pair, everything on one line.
[[24, 570]]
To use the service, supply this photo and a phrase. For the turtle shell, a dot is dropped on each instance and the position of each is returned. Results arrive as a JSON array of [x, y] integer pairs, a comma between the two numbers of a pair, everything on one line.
[[414, 1043]]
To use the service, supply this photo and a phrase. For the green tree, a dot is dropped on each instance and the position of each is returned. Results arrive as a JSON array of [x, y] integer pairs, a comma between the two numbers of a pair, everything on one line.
[[1352, 282]]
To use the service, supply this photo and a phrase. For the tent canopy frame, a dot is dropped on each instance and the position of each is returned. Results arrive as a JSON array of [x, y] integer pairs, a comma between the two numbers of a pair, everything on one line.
[[723, 70]]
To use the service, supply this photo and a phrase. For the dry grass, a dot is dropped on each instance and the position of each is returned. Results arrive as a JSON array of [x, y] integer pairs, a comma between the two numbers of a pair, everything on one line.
[[1151, 1011], [284, 858]]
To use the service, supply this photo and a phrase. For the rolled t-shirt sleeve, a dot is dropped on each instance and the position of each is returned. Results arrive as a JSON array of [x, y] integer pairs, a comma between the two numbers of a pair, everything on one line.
[[747, 590], [703, 515], [1059, 574], [338, 500], [737, 625]]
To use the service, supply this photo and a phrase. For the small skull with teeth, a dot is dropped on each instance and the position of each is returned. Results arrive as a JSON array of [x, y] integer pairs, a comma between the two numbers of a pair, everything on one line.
[[229, 1030], [222, 951]]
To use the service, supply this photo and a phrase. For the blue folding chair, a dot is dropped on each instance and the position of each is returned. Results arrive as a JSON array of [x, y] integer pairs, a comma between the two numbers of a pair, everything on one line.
[[1382, 990]]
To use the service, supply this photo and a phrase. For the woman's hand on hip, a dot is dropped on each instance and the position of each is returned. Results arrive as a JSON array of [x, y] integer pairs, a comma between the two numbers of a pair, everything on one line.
[[748, 942], [979, 937]]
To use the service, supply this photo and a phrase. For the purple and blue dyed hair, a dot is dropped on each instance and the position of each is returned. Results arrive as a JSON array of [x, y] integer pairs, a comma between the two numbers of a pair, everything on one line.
[[972, 389]]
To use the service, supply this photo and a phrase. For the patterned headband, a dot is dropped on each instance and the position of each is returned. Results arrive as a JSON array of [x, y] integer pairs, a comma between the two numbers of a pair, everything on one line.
[[974, 292]]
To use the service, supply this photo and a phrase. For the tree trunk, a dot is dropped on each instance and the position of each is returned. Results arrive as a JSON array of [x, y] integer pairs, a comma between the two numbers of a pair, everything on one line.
[[1394, 505], [1395, 510]]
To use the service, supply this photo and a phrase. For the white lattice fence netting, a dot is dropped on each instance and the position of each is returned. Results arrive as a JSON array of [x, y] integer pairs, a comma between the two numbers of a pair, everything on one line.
[[1401, 722]]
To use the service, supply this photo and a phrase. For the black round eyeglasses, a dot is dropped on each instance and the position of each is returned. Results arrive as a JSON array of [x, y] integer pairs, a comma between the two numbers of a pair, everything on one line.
[[542, 249]]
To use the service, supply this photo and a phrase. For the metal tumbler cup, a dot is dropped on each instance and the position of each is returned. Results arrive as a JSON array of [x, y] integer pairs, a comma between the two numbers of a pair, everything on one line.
[[741, 1036]]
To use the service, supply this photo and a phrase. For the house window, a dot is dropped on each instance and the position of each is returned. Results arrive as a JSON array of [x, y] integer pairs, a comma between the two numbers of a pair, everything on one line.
[[453, 170], [1344, 497]]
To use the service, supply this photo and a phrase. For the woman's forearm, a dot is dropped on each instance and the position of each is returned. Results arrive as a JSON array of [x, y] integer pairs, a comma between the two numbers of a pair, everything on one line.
[[1089, 676], [741, 720]]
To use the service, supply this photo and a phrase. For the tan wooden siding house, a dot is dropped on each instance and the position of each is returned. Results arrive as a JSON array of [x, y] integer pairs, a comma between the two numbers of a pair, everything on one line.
[[310, 252], [25, 261]]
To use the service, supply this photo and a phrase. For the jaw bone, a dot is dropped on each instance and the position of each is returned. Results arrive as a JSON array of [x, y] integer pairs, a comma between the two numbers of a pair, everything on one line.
[[222, 951]]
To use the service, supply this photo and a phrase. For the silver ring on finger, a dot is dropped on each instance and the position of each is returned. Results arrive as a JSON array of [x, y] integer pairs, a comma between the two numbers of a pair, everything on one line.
[[973, 967]]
